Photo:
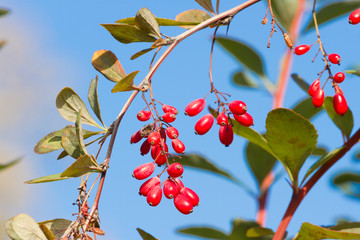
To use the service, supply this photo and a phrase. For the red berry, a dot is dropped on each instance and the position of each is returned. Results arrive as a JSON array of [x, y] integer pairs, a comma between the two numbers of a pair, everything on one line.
[[191, 195], [170, 189], [146, 186], [144, 171], [339, 77], [226, 135], [195, 107], [143, 116], [337, 89], [183, 204], [158, 155], [222, 119], [145, 147], [178, 146], [175, 170], [154, 196], [204, 124], [172, 132], [169, 117], [334, 58], [136, 137], [154, 138], [168, 108], [314, 87], [302, 49], [318, 98], [179, 183], [354, 17], [244, 119], [340, 104], [237, 107]]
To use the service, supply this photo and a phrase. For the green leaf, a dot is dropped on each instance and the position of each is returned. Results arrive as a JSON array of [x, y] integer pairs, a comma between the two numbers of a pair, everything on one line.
[[9, 164], [349, 183], [350, 227], [48, 234], [345, 123], [201, 163], [126, 84], [23, 227], [69, 103], [301, 83], [160, 21], [49, 178], [140, 53], [204, 232], [127, 33], [319, 151], [207, 5], [70, 143], [108, 65], [306, 108], [354, 71], [83, 165], [3, 12], [59, 227], [144, 235], [321, 162], [146, 22], [240, 228], [259, 232], [284, 11], [332, 11], [312, 232], [260, 162], [192, 15], [243, 79], [93, 98], [79, 136], [292, 138], [244, 54]]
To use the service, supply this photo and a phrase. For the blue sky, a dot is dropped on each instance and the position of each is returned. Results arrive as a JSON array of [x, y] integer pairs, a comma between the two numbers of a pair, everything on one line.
[[50, 46]]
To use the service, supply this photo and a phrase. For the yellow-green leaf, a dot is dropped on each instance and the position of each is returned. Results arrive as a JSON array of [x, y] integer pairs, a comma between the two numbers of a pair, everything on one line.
[[140, 53], [127, 33], [49, 235], [192, 15], [94, 100], [206, 4], [23, 227], [126, 84], [145, 21], [59, 227], [160, 21], [70, 143], [9, 164], [49, 178], [108, 65], [309, 231], [83, 165]]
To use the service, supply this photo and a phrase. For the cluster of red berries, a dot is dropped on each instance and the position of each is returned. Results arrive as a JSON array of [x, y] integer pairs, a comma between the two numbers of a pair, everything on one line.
[[204, 124], [354, 17], [155, 141], [317, 92]]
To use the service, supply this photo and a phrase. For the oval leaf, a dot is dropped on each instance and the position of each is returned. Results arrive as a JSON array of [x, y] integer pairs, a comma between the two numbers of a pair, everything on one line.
[[71, 144], [332, 11], [207, 5], [301, 83], [244, 54], [146, 22], [69, 103], [144, 235], [204, 232], [49, 178], [127, 33], [345, 123], [93, 98], [291, 137], [108, 65], [126, 84], [349, 183], [244, 80], [48, 234], [50, 142], [240, 228], [306, 108], [83, 165], [312, 232], [22, 227], [284, 11], [59, 227], [192, 15]]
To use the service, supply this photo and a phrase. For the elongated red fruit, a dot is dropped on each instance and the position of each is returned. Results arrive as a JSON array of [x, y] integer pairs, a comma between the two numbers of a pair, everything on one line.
[[244, 119], [354, 17], [237, 107], [334, 58], [169, 117], [226, 135], [146, 186], [145, 148], [170, 189], [204, 124], [340, 104], [183, 204], [314, 87], [154, 196], [179, 183], [136, 137], [154, 138], [158, 154], [172, 132], [144, 171], [318, 98], [339, 77], [222, 119], [178, 146], [143, 116], [175, 170], [191, 195], [302, 49], [195, 107], [168, 108]]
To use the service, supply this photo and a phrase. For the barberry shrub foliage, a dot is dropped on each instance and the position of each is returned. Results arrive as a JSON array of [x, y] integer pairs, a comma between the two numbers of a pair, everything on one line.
[[290, 137]]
